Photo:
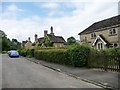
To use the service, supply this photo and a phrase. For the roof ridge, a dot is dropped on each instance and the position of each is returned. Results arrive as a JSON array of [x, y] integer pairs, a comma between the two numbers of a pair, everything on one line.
[[102, 24]]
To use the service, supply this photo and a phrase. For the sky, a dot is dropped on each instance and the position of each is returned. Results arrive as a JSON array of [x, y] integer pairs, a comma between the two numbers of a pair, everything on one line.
[[25, 18]]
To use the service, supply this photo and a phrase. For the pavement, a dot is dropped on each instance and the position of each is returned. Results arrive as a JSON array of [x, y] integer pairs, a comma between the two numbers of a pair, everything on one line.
[[98, 77]]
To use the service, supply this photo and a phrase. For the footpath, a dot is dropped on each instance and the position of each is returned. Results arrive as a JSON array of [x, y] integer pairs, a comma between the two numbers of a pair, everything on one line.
[[98, 77]]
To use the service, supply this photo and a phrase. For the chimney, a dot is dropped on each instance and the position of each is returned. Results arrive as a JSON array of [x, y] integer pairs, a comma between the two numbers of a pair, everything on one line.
[[36, 37], [28, 39], [45, 33], [51, 28]]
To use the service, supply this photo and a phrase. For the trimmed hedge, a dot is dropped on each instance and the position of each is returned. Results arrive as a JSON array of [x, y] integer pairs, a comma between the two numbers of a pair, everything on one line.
[[74, 56], [26, 52], [79, 55], [55, 56]]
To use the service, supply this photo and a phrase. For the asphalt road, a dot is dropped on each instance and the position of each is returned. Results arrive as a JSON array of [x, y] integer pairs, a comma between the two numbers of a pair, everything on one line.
[[21, 73]]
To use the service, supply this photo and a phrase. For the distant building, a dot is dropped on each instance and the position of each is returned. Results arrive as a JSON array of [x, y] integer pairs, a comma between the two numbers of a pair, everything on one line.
[[27, 43], [102, 34], [57, 41]]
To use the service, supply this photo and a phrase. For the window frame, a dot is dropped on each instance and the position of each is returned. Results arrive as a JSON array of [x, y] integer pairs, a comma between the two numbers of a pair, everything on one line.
[[113, 31], [93, 35]]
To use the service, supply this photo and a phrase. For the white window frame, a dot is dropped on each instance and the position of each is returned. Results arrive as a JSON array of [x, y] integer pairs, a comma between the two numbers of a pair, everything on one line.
[[93, 35], [101, 46], [111, 31]]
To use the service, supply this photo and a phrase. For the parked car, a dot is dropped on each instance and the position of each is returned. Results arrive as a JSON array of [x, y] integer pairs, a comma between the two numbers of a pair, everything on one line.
[[13, 53]]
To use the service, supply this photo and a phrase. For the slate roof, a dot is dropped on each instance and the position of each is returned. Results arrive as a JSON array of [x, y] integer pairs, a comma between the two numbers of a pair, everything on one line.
[[41, 40], [102, 24], [56, 39], [24, 42], [53, 38]]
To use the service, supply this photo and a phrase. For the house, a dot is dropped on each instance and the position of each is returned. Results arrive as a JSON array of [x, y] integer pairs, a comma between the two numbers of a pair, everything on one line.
[[57, 41], [102, 34], [27, 43]]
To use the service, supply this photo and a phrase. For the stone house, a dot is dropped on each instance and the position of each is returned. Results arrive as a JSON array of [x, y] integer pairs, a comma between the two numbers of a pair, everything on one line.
[[102, 34], [27, 43], [57, 41]]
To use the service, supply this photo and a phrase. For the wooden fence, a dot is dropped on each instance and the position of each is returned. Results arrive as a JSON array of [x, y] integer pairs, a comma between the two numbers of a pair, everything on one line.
[[105, 62]]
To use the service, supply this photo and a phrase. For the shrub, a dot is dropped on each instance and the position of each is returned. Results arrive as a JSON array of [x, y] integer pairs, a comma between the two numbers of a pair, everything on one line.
[[23, 52], [75, 55], [78, 55], [26, 52], [30, 53], [4, 52], [56, 56]]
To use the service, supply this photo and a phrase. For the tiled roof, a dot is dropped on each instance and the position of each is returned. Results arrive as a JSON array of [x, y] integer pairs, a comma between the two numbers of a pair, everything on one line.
[[102, 24], [53, 38], [56, 39], [41, 40]]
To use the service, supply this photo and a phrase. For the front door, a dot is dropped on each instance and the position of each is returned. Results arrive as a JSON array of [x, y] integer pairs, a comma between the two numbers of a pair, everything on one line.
[[100, 46]]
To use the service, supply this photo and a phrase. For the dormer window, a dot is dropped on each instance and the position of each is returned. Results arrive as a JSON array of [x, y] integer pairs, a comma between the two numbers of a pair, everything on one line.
[[113, 31], [93, 35]]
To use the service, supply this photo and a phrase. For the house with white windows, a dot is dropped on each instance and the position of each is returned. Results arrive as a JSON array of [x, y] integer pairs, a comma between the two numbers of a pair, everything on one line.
[[102, 34]]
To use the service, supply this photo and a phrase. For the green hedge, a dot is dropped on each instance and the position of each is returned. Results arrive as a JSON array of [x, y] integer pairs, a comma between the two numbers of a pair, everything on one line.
[[26, 52], [55, 56], [75, 55], [79, 55]]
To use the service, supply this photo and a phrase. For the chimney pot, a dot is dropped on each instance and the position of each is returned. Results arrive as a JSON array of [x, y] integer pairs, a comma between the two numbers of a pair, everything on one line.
[[51, 28], [45, 33]]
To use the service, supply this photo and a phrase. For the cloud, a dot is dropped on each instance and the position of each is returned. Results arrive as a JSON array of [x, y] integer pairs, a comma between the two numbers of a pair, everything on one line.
[[13, 8], [51, 5], [12, 11], [66, 26]]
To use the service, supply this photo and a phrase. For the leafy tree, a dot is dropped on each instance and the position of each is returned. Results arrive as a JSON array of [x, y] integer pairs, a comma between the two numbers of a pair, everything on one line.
[[6, 44], [47, 42], [15, 44], [71, 40]]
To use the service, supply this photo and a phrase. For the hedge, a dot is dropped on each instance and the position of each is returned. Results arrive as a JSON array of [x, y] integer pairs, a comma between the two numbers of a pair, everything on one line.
[[26, 52], [79, 55], [74, 56], [55, 56]]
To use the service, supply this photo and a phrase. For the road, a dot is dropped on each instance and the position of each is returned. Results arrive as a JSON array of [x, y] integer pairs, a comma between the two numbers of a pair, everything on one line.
[[21, 73]]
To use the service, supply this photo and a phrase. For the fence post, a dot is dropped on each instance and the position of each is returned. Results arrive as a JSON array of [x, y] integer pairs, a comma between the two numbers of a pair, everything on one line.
[[105, 57]]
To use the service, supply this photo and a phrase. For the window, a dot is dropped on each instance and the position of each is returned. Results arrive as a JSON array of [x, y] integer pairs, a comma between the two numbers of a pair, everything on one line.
[[113, 45], [112, 31], [100, 46], [93, 35]]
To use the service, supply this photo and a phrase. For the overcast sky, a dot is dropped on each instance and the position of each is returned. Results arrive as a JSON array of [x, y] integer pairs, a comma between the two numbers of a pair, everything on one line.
[[21, 20]]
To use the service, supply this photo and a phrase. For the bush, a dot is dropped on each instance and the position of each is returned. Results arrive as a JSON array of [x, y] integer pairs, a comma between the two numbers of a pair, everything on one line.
[[78, 55], [4, 52], [75, 55], [26, 52], [56, 56]]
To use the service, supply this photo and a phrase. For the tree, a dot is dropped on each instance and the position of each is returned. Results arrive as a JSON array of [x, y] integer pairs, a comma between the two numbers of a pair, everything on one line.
[[6, 44], [47, 42], [15, 44], [71, 40]]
